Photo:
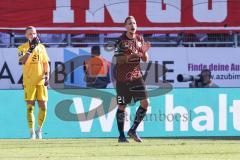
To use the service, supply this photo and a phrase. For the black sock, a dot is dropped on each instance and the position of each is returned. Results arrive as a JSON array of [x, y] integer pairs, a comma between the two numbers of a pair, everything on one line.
[[120, 122], [140, 114]]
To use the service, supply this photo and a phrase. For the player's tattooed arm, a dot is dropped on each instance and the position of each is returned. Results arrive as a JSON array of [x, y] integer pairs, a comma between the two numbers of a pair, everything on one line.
[[23, 59]]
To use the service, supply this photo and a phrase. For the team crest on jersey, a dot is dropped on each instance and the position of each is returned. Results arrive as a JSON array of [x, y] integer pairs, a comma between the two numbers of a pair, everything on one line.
[[20, 54]]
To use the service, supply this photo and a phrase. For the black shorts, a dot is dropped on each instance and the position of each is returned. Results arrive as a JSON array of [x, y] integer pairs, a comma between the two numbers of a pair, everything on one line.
[[132, 91]]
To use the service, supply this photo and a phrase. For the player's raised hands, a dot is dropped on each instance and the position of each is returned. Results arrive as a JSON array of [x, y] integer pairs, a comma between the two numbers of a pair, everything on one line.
[[145, 47], [35, 41]]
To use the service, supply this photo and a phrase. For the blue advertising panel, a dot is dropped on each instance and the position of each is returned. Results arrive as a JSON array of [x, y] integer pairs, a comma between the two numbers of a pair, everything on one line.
[[79, 113]]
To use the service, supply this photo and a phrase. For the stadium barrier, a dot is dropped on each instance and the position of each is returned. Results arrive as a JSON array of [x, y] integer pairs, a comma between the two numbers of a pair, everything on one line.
[[157, 40]]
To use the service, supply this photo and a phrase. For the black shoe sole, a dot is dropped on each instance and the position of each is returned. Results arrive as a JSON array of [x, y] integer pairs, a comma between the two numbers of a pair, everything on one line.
[[123, 141]]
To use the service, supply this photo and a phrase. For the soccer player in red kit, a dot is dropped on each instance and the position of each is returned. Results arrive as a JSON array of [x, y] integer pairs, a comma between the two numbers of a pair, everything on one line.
[[130, 86]]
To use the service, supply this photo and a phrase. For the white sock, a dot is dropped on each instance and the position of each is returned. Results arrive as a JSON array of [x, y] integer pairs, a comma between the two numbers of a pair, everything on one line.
[[32, 131], [39, 129]]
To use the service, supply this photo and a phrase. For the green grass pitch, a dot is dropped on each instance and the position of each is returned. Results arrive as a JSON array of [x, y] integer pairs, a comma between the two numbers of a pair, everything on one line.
[[108, 149]]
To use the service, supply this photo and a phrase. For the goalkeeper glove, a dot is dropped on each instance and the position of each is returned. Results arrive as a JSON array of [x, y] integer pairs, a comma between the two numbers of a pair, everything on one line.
[[46, 79], [33, 45]]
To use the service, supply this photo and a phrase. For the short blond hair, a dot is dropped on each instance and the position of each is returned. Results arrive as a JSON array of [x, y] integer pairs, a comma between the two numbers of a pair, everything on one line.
[[30, 28]]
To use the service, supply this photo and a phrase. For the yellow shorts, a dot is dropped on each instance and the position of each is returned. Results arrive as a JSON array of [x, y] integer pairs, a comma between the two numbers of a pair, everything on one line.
[[35, 92]]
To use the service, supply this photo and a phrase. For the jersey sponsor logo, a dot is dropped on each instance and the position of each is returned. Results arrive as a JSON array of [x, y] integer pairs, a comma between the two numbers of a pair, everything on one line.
[[139, 44]]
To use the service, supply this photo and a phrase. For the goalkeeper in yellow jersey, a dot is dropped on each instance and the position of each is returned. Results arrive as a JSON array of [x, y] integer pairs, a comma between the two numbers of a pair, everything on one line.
[[34, 59]]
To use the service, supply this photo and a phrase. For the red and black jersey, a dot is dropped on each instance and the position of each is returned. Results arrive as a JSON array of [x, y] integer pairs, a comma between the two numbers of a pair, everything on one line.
[[127, 66]]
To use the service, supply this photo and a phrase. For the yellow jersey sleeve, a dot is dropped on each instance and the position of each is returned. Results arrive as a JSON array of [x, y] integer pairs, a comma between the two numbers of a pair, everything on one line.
[[20, 53]]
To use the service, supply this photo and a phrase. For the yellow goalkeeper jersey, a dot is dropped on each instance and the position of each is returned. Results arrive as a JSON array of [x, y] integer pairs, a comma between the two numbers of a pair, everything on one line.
[[33, 70]]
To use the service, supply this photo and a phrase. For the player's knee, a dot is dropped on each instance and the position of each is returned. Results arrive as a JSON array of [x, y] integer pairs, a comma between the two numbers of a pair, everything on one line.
[[144, 103], [42, 105], [30, 103], [122, 107]]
